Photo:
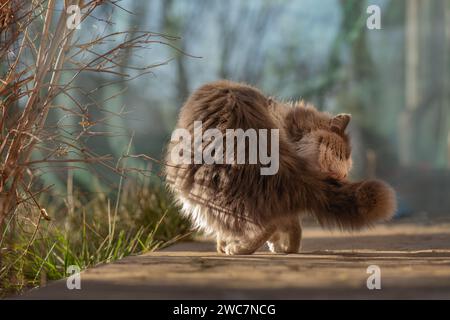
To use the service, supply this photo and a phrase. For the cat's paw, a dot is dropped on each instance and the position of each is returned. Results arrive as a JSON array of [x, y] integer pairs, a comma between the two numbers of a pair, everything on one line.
[[236, 248], [278, 243], [281, 244], [275, 247], [220, 247]]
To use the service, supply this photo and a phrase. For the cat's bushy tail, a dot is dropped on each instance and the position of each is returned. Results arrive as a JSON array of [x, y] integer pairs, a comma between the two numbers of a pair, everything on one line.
[[352, 206]]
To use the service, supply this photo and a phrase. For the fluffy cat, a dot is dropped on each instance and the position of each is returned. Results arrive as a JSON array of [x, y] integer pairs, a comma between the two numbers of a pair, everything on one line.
[[245, 209]]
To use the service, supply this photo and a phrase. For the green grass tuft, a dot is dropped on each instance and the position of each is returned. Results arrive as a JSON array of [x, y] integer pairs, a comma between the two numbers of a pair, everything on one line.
[[34, 250]]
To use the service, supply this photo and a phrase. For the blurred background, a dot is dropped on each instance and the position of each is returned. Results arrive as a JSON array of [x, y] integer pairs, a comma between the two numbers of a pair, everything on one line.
[[394, 81], [120, 90]]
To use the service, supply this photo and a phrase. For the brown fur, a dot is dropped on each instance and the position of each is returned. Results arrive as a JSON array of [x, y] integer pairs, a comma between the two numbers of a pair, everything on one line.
[[245, 209]]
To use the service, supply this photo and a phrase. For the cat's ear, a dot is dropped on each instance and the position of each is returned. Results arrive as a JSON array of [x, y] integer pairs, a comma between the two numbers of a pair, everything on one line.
[[340, 122]]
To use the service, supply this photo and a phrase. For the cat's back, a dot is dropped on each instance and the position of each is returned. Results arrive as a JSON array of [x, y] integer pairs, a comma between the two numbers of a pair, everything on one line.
[[226, 104]]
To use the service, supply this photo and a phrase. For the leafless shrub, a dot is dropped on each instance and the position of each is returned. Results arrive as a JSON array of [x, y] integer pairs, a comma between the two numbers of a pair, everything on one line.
[[42, 56]]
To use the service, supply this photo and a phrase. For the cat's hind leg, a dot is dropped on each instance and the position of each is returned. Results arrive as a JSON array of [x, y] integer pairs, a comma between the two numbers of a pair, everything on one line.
[[248, 245], [295, 237]]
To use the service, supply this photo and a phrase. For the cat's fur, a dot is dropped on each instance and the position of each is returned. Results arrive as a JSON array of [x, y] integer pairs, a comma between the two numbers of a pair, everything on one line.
[[243, 208]]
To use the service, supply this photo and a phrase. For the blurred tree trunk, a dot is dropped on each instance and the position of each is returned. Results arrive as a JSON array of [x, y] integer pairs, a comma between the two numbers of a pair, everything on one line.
[[424, 121], [354, 27], [439, 72], [447, 76], [411, 82], [234, 28], [172, 26]]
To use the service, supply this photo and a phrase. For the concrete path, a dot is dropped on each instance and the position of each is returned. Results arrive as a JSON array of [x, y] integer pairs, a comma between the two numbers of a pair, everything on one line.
[[414, 263]]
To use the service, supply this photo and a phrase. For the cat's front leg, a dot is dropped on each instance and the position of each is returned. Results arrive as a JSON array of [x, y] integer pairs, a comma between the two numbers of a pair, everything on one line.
[[220, 244], [286, 239], [276, 242]]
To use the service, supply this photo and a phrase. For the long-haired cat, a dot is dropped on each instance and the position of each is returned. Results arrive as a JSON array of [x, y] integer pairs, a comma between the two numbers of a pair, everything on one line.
[[244, 208]]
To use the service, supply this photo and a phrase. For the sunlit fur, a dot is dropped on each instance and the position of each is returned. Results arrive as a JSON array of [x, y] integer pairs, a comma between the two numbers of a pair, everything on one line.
[[243, 208]]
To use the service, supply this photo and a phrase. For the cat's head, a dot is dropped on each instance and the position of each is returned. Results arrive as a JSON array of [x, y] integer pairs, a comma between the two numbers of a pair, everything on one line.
[[328, 148]]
